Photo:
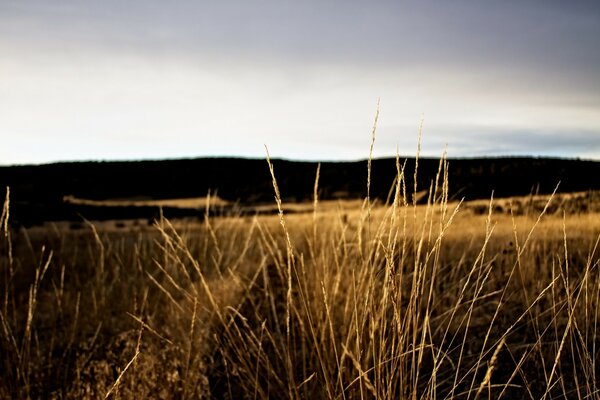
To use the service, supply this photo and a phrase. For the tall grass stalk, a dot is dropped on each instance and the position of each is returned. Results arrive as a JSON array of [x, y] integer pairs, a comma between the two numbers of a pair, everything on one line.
[[404, 299]]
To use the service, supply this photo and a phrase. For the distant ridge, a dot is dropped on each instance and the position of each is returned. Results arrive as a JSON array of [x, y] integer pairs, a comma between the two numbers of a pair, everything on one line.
[[40, 189]]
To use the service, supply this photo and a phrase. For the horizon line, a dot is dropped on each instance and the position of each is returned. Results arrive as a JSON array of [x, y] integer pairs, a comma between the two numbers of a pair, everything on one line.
[[308, 160]]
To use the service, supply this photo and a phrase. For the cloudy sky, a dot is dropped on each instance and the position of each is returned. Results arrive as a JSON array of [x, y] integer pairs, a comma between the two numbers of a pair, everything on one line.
[[103, 80]]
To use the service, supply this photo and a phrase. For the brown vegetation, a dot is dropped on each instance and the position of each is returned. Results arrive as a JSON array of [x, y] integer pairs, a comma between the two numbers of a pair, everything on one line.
[[395, 300]]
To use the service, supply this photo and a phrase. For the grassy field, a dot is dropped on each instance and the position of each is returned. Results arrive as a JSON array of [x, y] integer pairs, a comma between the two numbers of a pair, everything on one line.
[[344, 300]]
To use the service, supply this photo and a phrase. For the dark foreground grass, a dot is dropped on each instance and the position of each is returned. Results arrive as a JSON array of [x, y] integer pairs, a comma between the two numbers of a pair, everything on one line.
[[383, 301]]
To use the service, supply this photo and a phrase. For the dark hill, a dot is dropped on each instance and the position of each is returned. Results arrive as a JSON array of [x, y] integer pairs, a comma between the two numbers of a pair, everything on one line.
[[37, 191]]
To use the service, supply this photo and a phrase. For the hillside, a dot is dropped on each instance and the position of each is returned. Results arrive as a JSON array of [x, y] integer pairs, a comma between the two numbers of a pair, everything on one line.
[[37, 192]]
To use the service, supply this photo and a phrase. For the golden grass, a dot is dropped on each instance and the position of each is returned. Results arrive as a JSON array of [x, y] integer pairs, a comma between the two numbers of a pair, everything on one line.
[[347, 300], [197, 202]]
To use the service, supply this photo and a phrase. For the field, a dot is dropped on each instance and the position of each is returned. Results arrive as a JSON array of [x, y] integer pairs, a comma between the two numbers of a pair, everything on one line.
[[340, 299]]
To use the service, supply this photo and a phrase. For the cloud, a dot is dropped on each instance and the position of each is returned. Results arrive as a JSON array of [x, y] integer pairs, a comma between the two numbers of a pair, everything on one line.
[[493, 142], [200, 78]]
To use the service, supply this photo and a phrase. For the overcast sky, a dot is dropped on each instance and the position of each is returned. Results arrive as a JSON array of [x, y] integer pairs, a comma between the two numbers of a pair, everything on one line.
[[83, 80]]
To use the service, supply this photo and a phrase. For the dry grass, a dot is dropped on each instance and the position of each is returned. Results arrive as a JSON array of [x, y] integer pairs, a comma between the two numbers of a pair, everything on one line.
[[197, 203], [346, 301]]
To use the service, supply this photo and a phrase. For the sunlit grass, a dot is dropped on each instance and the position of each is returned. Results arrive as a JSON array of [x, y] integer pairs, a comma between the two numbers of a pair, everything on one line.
[[362, 299]]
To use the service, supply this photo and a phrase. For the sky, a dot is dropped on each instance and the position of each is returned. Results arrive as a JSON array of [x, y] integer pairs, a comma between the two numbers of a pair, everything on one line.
[[113, 79]]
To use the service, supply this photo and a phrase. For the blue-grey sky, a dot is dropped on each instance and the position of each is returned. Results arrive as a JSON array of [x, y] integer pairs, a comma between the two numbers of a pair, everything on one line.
[[166, 79]]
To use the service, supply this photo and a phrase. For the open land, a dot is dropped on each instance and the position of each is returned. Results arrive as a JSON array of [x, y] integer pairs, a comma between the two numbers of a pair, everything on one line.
[[403, 293]]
